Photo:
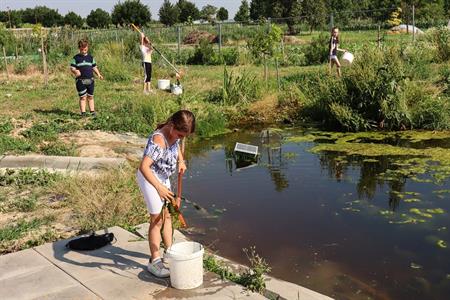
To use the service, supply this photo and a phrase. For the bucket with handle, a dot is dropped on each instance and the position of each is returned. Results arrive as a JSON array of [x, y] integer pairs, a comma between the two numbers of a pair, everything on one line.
[[347, 58], [186, 265], [163, 84]]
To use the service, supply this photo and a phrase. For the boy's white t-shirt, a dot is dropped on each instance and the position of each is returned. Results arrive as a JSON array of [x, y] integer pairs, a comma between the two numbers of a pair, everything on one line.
[[146, 54]]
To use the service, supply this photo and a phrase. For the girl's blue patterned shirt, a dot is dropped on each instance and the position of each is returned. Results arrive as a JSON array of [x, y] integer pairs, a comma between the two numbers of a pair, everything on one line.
[[164, 160]]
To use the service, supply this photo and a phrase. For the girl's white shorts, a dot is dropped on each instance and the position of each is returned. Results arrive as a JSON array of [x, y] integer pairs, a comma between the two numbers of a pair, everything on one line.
[[152, 199]]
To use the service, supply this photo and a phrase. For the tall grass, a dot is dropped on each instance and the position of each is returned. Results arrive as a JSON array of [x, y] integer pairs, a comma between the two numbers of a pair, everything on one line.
[[101, 201]]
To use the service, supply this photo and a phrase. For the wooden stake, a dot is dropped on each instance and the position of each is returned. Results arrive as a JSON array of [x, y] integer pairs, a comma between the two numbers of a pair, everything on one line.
[[44, 60], [6, 63]]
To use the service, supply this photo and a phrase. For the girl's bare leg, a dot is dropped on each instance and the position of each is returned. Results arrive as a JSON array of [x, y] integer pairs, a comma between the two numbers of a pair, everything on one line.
[[154, 235]]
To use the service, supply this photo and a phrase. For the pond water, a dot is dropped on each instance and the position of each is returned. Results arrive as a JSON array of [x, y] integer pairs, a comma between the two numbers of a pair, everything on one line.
[[348, 226]]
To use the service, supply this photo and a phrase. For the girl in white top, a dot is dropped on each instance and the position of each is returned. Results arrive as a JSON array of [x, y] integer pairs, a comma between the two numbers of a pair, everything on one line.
[[161, 157], [146, 50]]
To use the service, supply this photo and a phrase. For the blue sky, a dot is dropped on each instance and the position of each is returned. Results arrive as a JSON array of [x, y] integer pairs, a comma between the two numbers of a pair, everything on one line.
[[84, 7]]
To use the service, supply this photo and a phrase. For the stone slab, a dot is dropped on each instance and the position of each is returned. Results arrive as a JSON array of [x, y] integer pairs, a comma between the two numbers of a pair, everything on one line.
[[28, 275], [68, 163], [118, 271]]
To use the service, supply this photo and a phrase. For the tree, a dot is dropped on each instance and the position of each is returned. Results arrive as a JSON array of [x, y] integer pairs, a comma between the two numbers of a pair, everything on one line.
[[259, 9], [168, 13], [41, 14], [98, 18], [315, 12], [222, 14], [73, 20], [243, 13], [265, 45], [208, 13], [131, 11], [188, 11]]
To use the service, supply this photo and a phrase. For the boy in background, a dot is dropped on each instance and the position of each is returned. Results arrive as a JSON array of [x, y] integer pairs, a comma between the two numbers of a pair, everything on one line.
[[83, 66]]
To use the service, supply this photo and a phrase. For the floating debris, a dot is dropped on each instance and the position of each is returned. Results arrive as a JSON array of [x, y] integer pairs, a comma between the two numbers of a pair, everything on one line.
[[411, 200], [441, 244], [415, 266], [420, 213]]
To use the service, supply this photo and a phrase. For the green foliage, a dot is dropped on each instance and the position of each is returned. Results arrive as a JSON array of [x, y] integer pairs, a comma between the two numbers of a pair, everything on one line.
[[243, 13], [252, 278], [16, 231], [59, 149], [73, 20], [98, 18], [128, 117], [290, 104], [237, 89], [188, 11], [25, 204], [210, 120], [130, 11], [204, 54], [48, 130], [6, 126], [6, 37], [113, 66], [440, 39], [21, 65], [317, 51], [375, 91], [24, 177], [265, 44], [208, 13], [9, 144], [222, 14], [43, 15], [168, 13]]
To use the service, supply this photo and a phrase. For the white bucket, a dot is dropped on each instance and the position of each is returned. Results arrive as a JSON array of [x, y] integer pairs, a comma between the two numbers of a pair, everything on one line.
[[347, 58], [163, 84], [186, 265], [176, 89]]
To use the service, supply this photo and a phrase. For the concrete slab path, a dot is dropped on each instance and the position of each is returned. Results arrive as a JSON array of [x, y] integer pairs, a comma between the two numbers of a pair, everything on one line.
[[60, 163], [116, 271]]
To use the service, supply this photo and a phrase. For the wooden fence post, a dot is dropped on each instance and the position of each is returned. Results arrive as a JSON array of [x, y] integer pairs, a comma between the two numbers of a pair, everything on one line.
[[6, 63], [44, 60]]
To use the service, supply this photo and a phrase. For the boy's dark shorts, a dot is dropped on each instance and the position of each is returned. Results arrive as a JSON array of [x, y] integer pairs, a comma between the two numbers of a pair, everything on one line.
[[85, 87]]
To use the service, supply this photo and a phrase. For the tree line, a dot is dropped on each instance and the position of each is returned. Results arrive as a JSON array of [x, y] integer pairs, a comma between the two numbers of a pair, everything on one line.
[[313, 12]]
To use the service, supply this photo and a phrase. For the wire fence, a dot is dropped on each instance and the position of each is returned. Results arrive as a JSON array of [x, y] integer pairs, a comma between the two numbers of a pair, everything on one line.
[[364, 26]]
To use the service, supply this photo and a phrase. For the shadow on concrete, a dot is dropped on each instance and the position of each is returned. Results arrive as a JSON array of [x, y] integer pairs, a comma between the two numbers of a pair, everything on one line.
[[109, 258]]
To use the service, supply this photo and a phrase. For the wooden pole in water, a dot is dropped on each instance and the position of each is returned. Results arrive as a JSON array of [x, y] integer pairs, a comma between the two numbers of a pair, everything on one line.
[[6, 63]]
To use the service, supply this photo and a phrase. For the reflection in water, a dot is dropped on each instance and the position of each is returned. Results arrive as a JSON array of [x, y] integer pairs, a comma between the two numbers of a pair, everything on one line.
[[370, 171], [347, 230]]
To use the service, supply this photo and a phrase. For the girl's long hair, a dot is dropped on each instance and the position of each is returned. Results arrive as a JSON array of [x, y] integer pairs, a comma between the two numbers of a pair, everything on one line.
[[337, 37], [182, 120]]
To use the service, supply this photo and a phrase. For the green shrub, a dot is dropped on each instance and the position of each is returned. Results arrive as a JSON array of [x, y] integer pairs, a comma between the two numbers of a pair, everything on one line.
[[290, 103], [440, 39], [210, 120], [230, 56], [204, 54], [317, 51], [237, 89], [294, 56]]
